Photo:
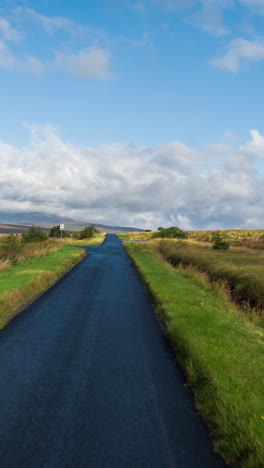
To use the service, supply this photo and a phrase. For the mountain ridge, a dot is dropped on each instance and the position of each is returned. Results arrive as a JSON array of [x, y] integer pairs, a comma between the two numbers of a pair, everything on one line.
[[19, 222]]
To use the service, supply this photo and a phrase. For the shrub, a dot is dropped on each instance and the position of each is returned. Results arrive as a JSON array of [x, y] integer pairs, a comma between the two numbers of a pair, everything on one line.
[[88, 232], [12, 257], [56, 232], [171, 233], [34, 234], [11, 243], [219, 242]]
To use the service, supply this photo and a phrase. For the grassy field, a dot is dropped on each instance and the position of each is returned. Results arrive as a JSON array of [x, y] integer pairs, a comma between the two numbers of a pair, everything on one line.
[[219, 349], [241, 269], [237, 237], [135, 235], [98, 240]]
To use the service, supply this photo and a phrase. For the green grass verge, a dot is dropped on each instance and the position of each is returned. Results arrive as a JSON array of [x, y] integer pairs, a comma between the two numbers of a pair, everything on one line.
[[19, 283], [219, 350]]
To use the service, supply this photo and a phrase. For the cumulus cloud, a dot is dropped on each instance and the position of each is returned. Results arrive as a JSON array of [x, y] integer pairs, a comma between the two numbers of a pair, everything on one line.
[[238, 50], [123, 184]]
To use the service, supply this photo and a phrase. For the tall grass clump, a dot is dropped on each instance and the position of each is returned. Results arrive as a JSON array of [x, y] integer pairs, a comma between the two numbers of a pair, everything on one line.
[[242, 270]]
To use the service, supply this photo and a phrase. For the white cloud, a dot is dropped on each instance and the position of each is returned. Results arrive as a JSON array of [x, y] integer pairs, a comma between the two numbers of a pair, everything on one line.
[[28, 64], [50, 24], [210, 19], [92, 62], [240, 49], [54, 24], [7, 59], [7, 32], [131, 185]]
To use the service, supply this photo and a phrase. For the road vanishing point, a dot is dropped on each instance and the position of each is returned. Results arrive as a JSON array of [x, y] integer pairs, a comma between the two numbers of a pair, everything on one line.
[[87, 378]]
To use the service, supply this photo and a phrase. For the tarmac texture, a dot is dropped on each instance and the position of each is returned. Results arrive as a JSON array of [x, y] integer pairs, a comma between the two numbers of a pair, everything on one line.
[[87, 378]]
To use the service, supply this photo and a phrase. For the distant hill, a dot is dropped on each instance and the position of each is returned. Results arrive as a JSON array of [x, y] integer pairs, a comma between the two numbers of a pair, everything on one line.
[[19, 222], [34, 217]]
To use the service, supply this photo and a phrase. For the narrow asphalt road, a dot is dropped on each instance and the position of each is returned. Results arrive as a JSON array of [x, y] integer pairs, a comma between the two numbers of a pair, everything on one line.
[[88, 380]]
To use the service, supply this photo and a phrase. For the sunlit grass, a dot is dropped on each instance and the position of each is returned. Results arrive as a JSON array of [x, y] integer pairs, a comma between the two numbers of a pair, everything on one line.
[[97, 240]]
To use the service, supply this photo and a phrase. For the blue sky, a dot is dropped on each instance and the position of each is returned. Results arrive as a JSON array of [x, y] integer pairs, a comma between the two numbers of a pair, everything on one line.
[[111, 82]]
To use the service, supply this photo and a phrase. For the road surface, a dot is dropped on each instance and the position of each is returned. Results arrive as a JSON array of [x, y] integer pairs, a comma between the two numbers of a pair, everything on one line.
[[87, 378]]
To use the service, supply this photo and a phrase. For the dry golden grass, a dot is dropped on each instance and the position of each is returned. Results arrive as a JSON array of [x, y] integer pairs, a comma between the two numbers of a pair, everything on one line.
[[34, 250], [11, 299], [4, 264]]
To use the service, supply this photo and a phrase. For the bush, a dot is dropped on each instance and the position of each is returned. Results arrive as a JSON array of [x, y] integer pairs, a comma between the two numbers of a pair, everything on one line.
[[219, 242], [56, 232], [171, 233], [34, 235], [10, 248], [88, 232], [12, 243]]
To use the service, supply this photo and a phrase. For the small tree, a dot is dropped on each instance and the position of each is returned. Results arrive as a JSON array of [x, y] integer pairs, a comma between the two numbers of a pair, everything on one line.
[[34, 234], [88, 232], [11, 243], [56, 232], [219, 242], [171, 233]]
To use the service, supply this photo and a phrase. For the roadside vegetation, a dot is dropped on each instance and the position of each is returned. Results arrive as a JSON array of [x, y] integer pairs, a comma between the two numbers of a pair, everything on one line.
[[32, 261], [220, 350], [253, 239], [241, 270]]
